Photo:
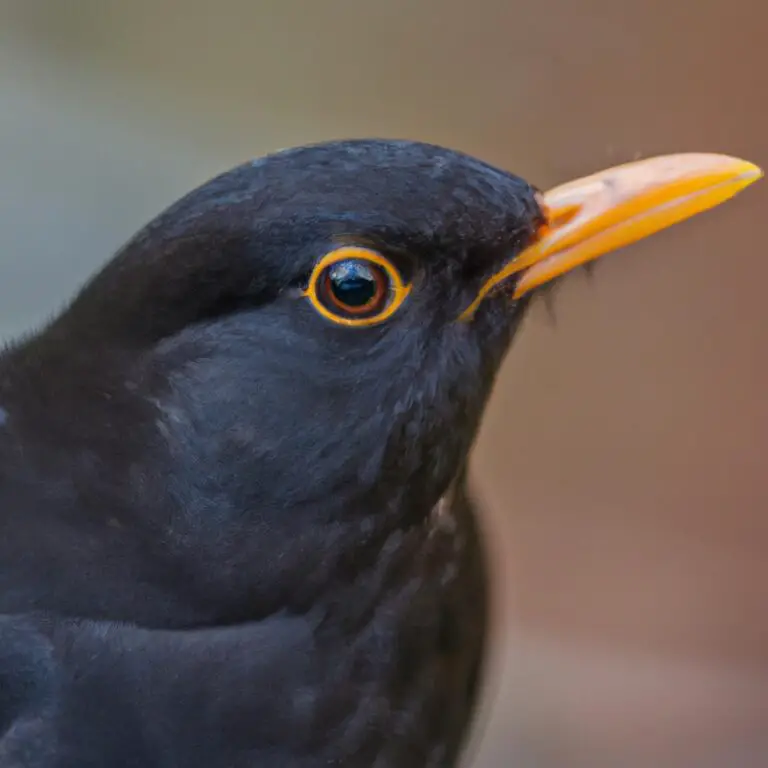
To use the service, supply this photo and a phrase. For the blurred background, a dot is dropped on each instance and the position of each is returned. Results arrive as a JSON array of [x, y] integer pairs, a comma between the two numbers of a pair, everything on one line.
[[622, 465]]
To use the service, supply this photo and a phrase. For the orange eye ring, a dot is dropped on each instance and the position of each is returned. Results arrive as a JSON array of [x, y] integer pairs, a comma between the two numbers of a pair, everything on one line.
[[372, 281]]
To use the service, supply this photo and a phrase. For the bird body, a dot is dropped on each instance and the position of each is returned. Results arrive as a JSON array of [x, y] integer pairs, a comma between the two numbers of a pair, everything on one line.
[[392, 682], [235, 528]]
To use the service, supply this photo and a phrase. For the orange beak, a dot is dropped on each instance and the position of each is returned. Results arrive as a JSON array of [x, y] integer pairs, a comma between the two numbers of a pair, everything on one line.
[[608, 210]]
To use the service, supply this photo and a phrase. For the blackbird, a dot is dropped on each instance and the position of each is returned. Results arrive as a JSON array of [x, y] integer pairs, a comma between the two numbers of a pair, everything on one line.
[[235, 528]]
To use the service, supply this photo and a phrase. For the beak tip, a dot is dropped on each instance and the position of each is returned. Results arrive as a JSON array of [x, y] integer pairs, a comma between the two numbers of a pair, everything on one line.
[[753, 173], [745, 175], [735, 168]]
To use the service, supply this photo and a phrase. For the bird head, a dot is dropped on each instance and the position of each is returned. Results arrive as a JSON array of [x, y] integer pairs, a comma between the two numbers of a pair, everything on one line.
[[296, 356]]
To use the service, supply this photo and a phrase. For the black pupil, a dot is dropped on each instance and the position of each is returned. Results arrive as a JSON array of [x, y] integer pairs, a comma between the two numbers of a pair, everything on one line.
[[353, 283]]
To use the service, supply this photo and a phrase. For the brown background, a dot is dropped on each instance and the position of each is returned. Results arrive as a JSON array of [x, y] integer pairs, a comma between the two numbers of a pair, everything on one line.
[[623, 459]]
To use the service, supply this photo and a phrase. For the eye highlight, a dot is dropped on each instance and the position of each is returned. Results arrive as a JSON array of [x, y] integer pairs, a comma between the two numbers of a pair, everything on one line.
[[356, 287]]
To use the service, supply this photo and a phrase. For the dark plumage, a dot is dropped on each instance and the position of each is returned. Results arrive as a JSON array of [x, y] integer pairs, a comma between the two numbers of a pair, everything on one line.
[[234, 522], [233, 533]]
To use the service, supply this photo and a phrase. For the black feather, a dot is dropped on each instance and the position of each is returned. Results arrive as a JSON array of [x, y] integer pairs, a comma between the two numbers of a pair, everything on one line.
[[231, 532]]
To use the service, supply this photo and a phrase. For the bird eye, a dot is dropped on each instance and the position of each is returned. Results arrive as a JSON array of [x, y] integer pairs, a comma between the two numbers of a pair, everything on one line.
[[356, 286]]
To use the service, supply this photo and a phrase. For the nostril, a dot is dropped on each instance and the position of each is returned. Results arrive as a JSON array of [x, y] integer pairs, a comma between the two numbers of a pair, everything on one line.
[[555, 218]]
